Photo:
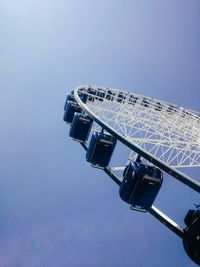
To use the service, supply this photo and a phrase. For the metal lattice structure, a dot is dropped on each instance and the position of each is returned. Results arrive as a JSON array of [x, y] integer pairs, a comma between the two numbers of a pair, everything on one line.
[[168, 132], [160, 133], [165, 134]]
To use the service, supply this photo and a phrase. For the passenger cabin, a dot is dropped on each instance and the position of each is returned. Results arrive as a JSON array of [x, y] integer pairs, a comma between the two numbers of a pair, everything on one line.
[[132, 100], [91, 94], [80, 127], [69, 97], [145, 102], [121, 97], [188, 220], [100, 149], [110, 95], [100, 94], [70, 109], [191, 238], [171, 109], [83, 96], [140, 185], [158, 106]]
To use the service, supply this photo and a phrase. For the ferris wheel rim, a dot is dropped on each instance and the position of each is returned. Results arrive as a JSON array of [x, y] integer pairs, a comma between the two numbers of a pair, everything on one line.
[[145, 154]]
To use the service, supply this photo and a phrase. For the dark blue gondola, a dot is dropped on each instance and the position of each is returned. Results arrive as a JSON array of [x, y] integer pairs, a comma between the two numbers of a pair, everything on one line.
[[189, 217], [132, 100], [97, 94], [145, 102], [191, 238], [80, 127], [100, 94], [69, 97], [110, 95], [92, 94], [185, 113], [70, 109], [121, 97], [171, 109], [140, 185], [158, 106], [100, 149], [83, 96]]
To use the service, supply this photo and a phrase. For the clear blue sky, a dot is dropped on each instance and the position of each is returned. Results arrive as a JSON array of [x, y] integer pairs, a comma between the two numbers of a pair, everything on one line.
[[55, 210]]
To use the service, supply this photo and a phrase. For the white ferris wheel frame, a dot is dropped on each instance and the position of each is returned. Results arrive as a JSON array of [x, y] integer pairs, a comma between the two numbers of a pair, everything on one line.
[[164, 134], [171, 113]]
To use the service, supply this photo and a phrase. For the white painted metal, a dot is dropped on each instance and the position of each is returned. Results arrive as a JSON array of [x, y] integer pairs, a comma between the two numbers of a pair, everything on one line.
[[164, 134], [167, 131]]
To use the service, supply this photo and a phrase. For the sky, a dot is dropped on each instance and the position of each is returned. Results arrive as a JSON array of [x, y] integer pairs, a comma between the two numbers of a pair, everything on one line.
[[55, 209]]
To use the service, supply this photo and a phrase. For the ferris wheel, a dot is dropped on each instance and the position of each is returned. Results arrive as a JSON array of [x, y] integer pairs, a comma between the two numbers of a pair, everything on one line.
[[160, 136]]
